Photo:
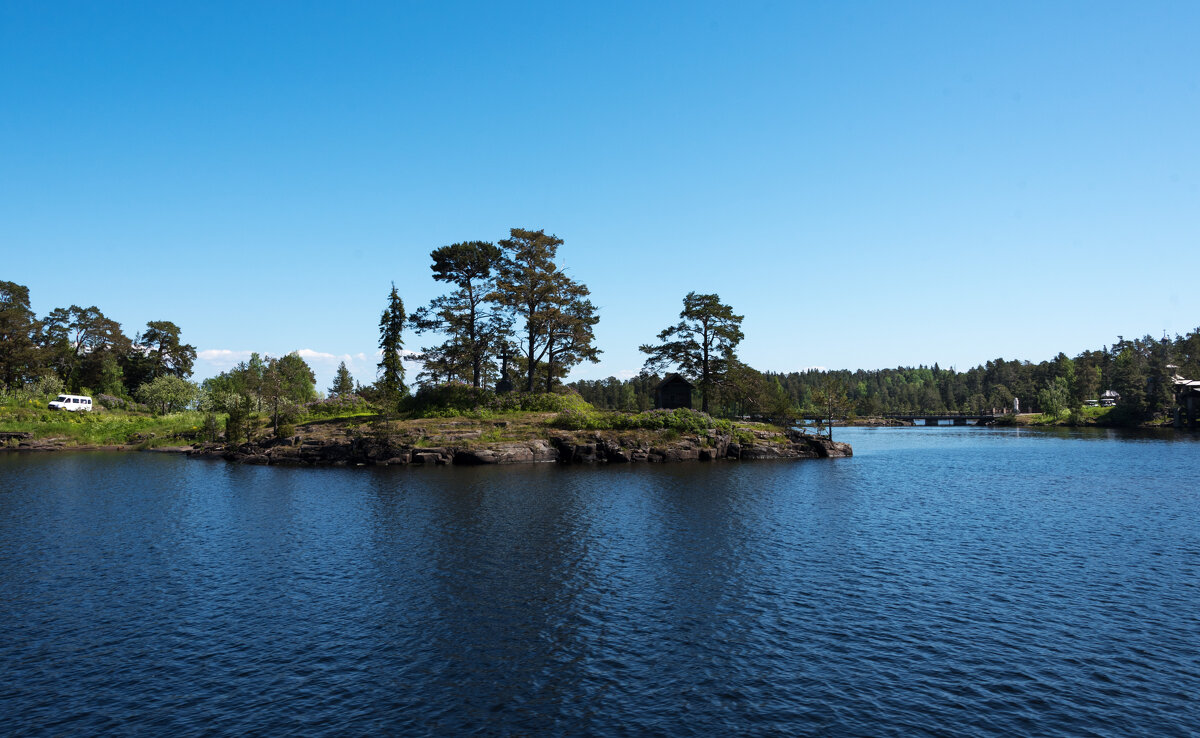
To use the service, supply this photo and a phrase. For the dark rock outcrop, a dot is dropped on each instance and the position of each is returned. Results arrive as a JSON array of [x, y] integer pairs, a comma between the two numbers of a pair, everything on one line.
[[563, 448]]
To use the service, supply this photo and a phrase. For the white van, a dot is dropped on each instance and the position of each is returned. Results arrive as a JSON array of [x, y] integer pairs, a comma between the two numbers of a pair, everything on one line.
[[72, 403]]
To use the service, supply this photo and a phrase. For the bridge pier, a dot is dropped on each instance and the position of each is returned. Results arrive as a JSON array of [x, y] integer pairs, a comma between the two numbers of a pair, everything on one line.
[[960, 421]]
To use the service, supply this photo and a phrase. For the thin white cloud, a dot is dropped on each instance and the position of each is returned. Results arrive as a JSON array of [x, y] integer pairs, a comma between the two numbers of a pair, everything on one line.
[[627, 373], [322, 357], [222, 359]]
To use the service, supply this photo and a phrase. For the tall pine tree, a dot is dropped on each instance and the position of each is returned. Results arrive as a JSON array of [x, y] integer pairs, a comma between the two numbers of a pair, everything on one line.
[[474, 327], [702, 344], [556, 316], [527, 284]]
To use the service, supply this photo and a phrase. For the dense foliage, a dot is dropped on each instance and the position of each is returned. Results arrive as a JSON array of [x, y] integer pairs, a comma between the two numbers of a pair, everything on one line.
[[281, 386], [85, 350], [457, 398], [681, 420]]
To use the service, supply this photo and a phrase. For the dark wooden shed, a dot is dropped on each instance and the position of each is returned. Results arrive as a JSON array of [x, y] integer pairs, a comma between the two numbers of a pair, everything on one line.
[[674, 391]]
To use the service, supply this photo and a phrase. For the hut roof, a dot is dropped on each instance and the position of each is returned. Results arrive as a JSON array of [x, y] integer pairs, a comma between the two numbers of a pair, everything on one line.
[[673, 377]]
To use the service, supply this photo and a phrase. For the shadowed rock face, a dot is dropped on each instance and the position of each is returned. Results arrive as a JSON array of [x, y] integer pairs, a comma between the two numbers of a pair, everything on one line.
[[562, 448]]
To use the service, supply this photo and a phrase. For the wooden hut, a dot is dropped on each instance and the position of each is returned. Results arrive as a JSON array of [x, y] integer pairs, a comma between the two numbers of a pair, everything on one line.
[[674, 391]]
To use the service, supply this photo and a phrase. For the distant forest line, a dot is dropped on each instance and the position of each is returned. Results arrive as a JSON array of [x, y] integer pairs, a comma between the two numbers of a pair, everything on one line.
[[1138, 369]]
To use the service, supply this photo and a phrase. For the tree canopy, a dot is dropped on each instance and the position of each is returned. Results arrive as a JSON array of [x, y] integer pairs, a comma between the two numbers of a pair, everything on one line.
[[167, 393], [287, 382], [19, 334]]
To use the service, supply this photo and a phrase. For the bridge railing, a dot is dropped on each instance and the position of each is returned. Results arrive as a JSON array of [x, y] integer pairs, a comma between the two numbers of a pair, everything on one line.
[[939, 415]]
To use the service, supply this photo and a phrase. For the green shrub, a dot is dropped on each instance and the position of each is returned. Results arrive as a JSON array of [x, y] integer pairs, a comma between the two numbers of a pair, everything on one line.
[[446, 400], [456, 399], [680, 420], [575, 419], [237, 424], [211, 429], [289, 413], [544, 402], [340, 406], [48, 385], [286, 430]]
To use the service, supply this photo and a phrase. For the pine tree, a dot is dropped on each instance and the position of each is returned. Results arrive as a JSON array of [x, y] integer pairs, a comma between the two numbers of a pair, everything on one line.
[[474, 326], [569, 319], [702, 343], [527, 284]]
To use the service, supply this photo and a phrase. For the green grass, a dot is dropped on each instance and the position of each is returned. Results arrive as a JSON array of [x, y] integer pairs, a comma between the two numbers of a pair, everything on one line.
[[364, 413], [671, 423], [1084, 416], [1096, 413], [104, 428]]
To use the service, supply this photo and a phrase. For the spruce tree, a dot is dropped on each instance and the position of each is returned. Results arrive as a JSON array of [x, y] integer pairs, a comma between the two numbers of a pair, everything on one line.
[[343, 383], [391, 368]]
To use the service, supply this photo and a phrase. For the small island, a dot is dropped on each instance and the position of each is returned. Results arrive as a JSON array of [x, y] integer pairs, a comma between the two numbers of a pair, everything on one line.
[[498, 429], [490, 389], [528, 437], [492, 384]]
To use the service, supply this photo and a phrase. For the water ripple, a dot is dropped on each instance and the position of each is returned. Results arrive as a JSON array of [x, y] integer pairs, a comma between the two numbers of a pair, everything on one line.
[[941, 582]]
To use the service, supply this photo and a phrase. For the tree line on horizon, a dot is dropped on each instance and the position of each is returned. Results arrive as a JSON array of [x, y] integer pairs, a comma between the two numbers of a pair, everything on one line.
[[1139, 370], [512, 313]]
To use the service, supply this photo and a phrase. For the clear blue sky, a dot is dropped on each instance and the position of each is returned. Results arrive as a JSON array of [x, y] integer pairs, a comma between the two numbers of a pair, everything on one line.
[[870, 184]]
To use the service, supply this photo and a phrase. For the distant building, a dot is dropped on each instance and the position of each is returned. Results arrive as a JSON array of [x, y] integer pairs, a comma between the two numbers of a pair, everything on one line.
[[505, 385], [674, 391], [1187, 401], [1109, 398]]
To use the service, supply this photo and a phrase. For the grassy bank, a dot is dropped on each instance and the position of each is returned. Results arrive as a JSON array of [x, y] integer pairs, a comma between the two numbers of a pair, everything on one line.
[[104, 427], [1098, 416], [443, 417]]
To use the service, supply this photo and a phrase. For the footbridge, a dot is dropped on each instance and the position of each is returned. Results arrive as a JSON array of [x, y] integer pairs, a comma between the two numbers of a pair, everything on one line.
[[950, 418]]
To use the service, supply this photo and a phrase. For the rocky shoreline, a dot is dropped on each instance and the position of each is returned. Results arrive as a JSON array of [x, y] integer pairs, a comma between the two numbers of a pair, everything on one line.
[[560, 447]]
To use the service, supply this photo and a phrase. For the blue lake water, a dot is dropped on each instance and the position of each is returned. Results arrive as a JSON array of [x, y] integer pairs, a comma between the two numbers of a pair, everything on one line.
[[943, 581]]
